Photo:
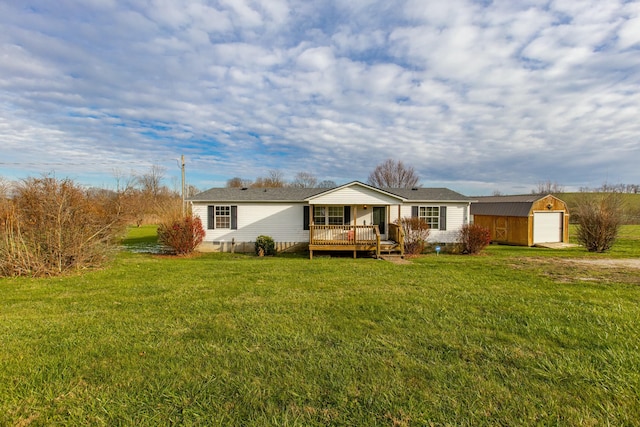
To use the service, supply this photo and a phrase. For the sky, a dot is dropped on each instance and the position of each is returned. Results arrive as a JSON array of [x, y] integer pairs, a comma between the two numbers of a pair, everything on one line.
[[478, 96]]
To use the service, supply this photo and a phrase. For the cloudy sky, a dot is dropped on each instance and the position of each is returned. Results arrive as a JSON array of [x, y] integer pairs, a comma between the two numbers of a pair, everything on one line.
[[477, 95]]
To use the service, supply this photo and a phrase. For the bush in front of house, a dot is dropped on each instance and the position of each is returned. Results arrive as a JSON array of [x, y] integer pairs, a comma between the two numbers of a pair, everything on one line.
[[265, 246], [416, 233], [599, 220], [473, 238], [181, 235]]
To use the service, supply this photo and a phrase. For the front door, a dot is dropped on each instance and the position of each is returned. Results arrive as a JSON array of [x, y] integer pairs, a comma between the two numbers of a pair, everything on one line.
[[380, 218]]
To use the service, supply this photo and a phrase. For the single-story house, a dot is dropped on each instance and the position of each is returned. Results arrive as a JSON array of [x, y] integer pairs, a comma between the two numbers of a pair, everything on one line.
[[523, 220], [352, 217]]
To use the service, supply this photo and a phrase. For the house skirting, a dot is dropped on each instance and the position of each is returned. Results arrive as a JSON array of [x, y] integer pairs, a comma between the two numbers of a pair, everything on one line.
[[249, 247]]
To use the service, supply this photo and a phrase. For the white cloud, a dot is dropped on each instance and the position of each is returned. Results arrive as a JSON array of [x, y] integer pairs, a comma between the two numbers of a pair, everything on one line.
[[458, 89]]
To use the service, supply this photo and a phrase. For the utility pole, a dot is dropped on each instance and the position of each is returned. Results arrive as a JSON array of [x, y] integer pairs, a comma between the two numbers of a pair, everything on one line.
[[183, 186]]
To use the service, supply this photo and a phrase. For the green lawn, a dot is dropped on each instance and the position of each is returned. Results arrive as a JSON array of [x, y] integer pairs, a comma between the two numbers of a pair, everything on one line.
[[515, 336]]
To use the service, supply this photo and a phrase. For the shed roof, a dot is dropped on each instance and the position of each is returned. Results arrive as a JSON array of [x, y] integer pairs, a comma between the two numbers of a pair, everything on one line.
[[517, 205]]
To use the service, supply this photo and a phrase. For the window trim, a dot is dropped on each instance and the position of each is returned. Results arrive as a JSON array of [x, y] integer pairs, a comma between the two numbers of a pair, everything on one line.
[[213, 217], [442, 215], [328, 217], [433, 220]]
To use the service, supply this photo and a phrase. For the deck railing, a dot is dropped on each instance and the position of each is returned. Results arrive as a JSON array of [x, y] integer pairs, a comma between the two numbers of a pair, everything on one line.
[[396, 233], [332, 235]]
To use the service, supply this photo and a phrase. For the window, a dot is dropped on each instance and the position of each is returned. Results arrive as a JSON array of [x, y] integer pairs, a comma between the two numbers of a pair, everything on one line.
[[336, 215], [431, 214], [319, 213], [223, 216], [329, 215]]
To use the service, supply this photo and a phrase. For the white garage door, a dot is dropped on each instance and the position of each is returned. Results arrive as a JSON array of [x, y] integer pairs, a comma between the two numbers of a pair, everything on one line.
[[547, 227]]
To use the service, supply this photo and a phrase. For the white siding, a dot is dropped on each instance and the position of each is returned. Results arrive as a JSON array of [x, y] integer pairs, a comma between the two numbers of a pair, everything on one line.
[[281, 221], [354, 195], [364, 217], [456, 217]]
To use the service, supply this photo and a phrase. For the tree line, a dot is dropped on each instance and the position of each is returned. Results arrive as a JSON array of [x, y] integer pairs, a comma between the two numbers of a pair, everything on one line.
[[388, 174]]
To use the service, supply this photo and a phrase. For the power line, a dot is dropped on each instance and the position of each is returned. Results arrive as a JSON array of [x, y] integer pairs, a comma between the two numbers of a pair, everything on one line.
[[112, 163]]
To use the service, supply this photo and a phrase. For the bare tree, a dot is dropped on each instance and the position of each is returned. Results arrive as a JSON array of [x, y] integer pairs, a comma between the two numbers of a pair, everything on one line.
[[151, 181], [393, 174], [548, 187], [237, 182], [125, 183], [327, 183], [191, 190], [275, 179], [304, 180]]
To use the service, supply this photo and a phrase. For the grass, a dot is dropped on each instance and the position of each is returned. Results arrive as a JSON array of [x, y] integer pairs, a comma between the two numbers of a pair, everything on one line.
[[516, 336], [630, 203]]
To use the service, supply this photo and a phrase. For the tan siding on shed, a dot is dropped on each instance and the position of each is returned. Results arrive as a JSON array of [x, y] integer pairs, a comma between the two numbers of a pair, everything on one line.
[[518, 230]]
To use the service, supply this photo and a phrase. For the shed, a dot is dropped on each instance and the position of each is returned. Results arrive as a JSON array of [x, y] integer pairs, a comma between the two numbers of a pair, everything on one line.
[[523, 220]]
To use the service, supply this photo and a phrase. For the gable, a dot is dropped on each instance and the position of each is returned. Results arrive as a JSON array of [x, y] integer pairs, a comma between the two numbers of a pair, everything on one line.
[[355, 194]]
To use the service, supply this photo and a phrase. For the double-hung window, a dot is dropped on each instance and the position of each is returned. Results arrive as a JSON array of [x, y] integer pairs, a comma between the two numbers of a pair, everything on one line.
[[223, 216], [319, 215], [431, 215], [335, 215], [328, 215]]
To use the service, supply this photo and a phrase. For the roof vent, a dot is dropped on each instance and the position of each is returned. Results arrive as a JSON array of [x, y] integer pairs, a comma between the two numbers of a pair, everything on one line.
[[414, 189]]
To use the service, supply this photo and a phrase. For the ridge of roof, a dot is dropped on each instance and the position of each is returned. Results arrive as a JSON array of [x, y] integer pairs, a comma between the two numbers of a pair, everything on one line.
[[514, 198], [293, 194]]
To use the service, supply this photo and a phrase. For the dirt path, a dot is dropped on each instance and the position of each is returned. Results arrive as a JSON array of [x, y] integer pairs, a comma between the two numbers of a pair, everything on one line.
[[610, 263]]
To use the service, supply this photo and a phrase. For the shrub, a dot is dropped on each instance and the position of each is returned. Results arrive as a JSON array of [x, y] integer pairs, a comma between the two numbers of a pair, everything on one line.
[[51, 226], [473, 238], [599, 220], [416, 233], [265, 246], [182, 235]]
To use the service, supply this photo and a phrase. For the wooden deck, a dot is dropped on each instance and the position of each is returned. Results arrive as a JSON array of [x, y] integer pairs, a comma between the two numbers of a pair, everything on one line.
[[354, 238]]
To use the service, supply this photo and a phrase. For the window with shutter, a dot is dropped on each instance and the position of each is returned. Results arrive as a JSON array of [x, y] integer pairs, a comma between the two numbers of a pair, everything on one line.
[[222, 217], [431, 215]]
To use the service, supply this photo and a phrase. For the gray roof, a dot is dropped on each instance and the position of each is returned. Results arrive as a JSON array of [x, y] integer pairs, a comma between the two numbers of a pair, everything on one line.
[[518, 205], [428, 194], [288, 194], [285, 194]]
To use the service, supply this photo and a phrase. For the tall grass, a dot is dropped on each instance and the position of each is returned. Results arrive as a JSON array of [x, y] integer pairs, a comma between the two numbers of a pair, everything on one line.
[[517, 336]]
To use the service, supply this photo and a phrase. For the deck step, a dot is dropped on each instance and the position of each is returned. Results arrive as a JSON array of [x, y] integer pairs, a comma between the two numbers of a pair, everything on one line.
[[390, 248]]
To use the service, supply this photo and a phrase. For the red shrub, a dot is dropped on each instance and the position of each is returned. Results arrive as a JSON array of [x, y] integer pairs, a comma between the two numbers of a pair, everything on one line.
[[416, 233], [182, 235], [473, 238]]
